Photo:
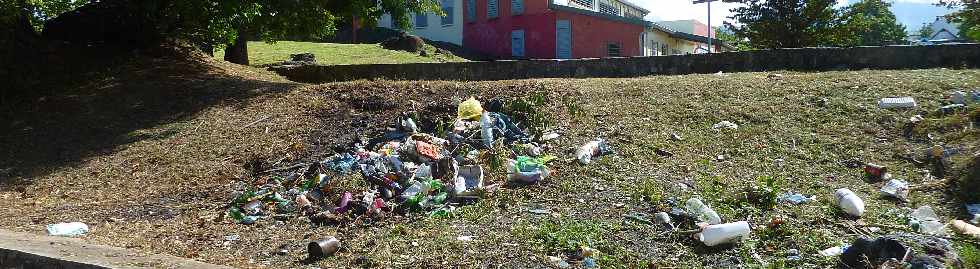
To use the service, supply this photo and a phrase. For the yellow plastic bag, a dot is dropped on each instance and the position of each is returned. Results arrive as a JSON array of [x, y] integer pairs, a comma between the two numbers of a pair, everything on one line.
[[469, 109]]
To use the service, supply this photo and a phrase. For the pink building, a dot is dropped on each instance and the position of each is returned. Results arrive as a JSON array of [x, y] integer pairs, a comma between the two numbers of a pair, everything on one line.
[[554, 28]]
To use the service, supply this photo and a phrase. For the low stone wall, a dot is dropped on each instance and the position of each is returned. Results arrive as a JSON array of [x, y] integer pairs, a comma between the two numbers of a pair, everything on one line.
[[804, 59]]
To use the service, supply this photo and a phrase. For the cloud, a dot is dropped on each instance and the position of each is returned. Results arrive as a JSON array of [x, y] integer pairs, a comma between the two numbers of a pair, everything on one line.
[[668, 10]]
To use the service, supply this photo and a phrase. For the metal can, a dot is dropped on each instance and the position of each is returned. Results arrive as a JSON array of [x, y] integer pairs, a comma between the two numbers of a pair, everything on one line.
[[875, 171], [323, 247]]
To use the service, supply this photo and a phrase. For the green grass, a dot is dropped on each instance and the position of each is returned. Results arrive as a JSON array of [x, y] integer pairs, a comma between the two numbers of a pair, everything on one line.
[[261, 53]]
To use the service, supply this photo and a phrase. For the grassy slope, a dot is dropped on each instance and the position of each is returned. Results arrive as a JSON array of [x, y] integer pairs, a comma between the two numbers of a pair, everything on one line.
[[261, 53], [159, 186]]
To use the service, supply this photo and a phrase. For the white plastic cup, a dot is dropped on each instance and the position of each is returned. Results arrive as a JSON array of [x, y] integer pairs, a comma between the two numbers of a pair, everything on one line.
[[718, 234], [849, 202]]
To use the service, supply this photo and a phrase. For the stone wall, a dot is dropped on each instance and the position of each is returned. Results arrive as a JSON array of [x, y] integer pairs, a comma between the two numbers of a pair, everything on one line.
[[804, 59]]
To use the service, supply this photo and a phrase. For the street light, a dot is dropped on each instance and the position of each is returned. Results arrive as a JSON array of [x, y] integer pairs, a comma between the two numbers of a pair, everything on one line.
[[709, 20]]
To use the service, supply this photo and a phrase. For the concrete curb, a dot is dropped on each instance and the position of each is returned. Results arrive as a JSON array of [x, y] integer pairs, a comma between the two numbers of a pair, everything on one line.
[[24, 250]]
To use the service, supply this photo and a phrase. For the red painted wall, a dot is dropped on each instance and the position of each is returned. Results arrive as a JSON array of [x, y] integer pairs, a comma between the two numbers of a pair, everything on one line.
[[589, 34]]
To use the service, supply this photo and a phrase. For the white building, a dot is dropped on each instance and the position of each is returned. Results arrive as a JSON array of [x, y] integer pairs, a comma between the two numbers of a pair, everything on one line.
[[435, 27]]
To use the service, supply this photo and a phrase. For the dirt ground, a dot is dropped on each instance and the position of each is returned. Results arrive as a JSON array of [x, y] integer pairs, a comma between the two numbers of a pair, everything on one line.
[[148, 155]]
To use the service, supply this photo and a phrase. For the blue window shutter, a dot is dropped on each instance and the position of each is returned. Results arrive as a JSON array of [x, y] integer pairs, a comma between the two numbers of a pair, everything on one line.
[[491, 8], [470, 10], [516, 7], [421, 20], [447, 7]]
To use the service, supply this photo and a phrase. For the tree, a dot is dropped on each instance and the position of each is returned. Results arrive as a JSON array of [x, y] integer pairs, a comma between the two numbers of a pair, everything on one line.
[[729, 38], [783, 23], [926, 31], [868, 23], [968, 15]]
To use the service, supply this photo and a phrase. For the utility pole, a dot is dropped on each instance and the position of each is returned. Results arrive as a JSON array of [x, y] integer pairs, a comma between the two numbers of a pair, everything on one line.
[[709, 20]]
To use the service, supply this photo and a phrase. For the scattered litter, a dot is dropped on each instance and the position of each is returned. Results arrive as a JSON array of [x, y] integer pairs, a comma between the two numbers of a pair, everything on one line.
[[469, 109], [540, 211], [966, 228], [593, 149], [725, 125], [323, 247], [464, 238], [700, 211], [950, 109], [676, 137], [528, 170], [877, 252], [640, 218], [664, 220], [875, 171], [896, 102], [974, 211], [67, 229], [793, 255], [589, 262], [916, 119], [834, 251], [718, 234], [663, 152], [896, 188], [550, 136], [925, 220], [849, 202], [796, 198], [407, 171], [775, 76], [233, 237], [559, 262]]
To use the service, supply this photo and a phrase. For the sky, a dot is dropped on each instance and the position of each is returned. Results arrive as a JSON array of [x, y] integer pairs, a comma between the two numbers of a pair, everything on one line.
[[911, 13]]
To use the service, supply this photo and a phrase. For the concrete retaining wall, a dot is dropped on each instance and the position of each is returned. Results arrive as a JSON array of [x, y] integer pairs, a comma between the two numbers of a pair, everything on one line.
[[805, 59]]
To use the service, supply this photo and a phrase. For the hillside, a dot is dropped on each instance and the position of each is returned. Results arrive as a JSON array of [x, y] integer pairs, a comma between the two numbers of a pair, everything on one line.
[[148, 154]]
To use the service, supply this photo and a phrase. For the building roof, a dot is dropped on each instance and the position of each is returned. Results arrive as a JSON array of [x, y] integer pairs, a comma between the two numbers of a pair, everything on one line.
[[688, 36], [630, 4]]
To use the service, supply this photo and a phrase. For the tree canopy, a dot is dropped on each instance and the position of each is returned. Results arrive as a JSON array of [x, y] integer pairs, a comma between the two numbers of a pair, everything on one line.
[[783, 23], [868, 23], [968, 15]]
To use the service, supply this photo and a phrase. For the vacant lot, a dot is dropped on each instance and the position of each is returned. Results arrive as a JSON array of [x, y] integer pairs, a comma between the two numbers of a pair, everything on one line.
[[261, 53], [148, 155]]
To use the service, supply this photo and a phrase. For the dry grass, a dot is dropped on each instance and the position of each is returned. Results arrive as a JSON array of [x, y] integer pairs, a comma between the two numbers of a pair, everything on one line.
[[148, 158]]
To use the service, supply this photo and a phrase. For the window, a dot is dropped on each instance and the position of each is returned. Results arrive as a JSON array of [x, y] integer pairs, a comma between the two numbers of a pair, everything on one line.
[[655, 47], [664, 50], [613, 50], [587, 4], [608, 9], [516, 7], [471, 10], [421, 20], [491, 9], [447, 7]]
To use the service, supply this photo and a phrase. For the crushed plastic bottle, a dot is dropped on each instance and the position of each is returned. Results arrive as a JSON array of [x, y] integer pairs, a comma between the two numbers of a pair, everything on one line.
[[593, 149], [925, 220], [67, 229], [701, 211], [849, 202], [528, 170]]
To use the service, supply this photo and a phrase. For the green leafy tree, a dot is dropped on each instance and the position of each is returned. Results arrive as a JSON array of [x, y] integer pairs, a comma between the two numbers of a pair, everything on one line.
[[868, 23], [729, 38], [925, 31], [968, 15], [783, 23]]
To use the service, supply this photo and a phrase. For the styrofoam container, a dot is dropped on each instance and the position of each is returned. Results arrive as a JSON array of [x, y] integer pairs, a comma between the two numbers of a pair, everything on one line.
[[849, 202], [896, 102]]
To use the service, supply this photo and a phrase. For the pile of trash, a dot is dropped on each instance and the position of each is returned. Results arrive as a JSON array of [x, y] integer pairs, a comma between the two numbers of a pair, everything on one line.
[[408, 171]]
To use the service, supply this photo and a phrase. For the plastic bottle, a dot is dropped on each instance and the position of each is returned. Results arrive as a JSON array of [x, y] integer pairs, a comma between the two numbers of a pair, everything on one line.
[[590, 150], [486, 129], [849, 202], [718, 234], [897, 102], [701, 211], [68, 229], [896, 188]]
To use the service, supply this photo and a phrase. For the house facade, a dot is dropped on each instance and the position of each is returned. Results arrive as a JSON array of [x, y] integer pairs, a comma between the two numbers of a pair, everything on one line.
[[561, 29], [447, 28], [556, 29]]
